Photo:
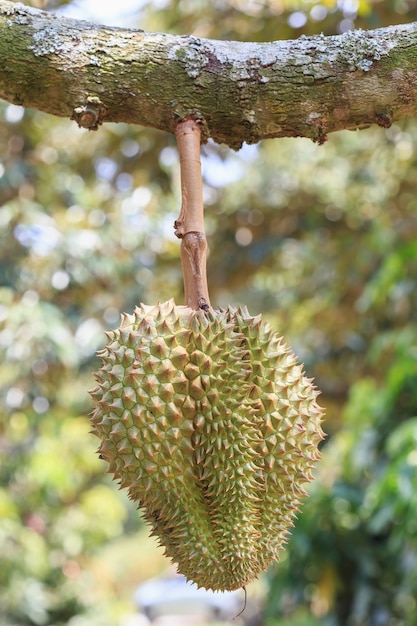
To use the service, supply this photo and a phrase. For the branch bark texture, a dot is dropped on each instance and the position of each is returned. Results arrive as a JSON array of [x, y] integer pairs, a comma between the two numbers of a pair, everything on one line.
[[239, 91]]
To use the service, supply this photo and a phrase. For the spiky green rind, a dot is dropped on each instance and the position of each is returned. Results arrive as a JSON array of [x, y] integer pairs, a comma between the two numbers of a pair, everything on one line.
[[209, 422]]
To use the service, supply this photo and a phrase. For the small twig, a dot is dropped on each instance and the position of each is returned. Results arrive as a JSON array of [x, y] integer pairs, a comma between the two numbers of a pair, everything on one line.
[[189, 227], [244, 606]]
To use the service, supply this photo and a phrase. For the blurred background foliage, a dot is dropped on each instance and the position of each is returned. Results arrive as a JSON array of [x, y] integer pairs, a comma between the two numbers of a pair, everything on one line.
[[321, 240]]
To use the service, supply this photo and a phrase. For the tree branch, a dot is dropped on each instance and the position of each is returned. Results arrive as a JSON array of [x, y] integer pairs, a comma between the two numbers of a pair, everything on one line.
[[239, 91]]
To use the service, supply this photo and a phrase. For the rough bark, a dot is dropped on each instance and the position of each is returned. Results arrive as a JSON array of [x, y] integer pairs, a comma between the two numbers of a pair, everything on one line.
[[239, 91]]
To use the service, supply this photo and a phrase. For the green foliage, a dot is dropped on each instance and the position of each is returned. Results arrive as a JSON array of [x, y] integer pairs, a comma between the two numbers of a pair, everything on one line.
[[322, 240], [354, 551]]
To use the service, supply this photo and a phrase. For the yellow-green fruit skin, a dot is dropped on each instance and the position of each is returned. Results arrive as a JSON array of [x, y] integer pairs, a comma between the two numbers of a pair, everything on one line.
[[209, 422]]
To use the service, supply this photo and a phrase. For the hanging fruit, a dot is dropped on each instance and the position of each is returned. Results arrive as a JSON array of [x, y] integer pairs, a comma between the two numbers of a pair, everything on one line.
[[206, 417]]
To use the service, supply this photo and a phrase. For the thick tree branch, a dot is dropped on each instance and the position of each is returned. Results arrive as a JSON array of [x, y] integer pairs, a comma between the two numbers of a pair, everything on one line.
[[240, 91]]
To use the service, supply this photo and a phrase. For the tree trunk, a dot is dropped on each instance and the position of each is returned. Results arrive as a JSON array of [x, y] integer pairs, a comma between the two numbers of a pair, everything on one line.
[[238, 91]]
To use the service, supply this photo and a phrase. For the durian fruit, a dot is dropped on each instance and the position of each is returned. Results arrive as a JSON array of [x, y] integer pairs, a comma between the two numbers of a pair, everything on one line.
[[209, 422]]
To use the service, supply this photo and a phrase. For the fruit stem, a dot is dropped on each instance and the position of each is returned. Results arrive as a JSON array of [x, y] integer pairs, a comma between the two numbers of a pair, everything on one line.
[[189, 227]]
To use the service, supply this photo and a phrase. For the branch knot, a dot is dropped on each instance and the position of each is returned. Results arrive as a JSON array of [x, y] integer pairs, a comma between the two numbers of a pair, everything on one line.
[[91, 114]]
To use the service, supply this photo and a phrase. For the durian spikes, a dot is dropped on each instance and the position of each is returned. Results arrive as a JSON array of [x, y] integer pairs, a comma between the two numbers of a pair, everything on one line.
[[208, 421], [189, 227]]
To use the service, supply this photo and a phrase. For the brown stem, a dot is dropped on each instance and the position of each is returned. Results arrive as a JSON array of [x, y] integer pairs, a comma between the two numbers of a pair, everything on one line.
[[189, 227]]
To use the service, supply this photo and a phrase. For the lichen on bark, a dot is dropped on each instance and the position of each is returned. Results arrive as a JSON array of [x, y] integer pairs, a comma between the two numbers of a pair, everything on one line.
[[239, 91]]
